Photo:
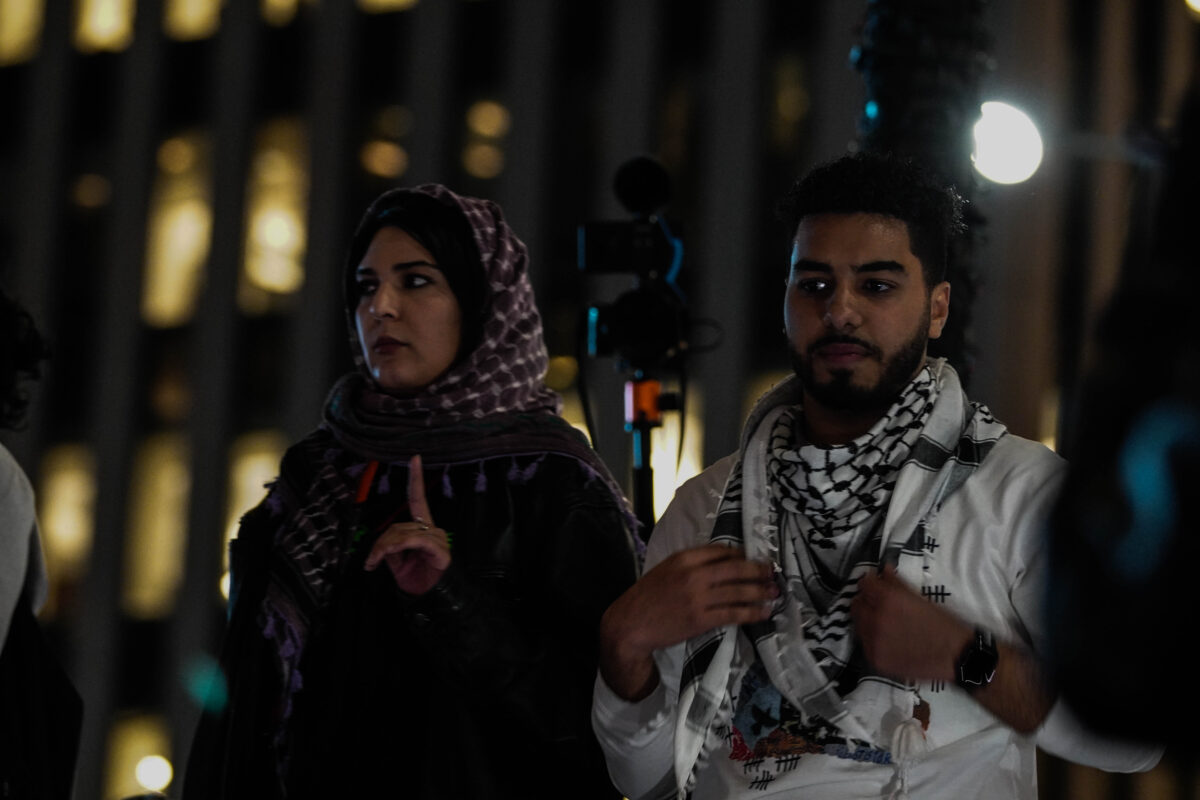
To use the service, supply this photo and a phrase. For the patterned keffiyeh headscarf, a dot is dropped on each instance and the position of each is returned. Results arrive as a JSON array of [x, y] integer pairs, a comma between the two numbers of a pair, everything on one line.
[[503, 374], [491, 403], [818, 514]]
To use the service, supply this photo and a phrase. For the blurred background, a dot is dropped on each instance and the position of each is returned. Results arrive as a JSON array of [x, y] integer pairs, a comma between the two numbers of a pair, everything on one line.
[[181, 178]]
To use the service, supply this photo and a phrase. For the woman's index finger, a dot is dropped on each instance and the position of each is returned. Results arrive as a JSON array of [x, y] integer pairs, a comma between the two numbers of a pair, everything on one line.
[[417, 507]]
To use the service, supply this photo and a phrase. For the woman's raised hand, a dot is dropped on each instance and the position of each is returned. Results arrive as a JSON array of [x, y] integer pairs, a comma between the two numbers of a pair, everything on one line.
[[417, 552]]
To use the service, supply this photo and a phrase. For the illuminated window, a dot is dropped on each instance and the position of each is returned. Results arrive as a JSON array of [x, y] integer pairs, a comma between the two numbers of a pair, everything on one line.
[[91, 191], [281, 12], [276, 207], [383, 155], [487, 124], [488, 118], [104, 25], [254, 461], [178, 233], [138, 756], [154, 549], [791, 103], [383, 6], [189, 20], [385, 159], [483, 160], [21, 29], [66, 509]]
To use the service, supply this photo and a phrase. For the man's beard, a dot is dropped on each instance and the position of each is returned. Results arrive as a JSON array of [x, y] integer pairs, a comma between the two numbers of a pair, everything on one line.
[[841, 395]]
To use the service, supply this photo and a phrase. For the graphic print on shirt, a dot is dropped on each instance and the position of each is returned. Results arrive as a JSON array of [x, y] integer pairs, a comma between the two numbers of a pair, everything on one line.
[[770, 737]]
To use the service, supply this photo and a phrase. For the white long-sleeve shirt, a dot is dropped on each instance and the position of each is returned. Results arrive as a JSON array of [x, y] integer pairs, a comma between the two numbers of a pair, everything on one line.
[[985, 564]]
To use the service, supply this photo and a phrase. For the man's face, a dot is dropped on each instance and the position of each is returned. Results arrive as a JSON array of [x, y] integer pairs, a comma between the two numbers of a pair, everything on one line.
[[857, 311]]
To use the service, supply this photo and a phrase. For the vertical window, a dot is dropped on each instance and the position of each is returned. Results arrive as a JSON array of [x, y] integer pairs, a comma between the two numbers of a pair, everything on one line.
[[488, 123], [254, 461], [276, 207], [383, 154], [178, 232], [384, 6], [21, 30], [154, 548], [104, 25], [189, 20], [66, 513], [138, 756]]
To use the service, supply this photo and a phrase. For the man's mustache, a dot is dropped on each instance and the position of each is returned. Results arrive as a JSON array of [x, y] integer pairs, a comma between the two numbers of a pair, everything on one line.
[[843, 339]]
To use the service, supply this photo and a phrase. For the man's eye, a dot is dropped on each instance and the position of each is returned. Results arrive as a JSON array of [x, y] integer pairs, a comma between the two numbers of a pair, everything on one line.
[[878, 287], [415, 280], [812, 285], [366, 287]]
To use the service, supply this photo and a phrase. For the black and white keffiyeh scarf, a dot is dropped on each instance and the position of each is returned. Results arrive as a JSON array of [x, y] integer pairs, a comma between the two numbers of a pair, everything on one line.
[[824, 517]]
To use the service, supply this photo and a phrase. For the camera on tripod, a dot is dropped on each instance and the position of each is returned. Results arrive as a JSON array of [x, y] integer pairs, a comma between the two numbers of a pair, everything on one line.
[[646, 327]]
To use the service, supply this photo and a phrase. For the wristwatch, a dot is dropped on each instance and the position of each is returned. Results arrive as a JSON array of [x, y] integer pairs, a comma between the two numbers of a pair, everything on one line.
[[977, 664]]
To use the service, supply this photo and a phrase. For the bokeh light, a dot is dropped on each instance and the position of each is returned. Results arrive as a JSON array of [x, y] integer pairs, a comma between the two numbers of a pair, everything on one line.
[[1008, 147]]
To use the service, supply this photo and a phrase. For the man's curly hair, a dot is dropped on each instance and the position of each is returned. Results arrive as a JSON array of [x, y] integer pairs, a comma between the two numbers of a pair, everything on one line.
[[874, 183], [22, 350]]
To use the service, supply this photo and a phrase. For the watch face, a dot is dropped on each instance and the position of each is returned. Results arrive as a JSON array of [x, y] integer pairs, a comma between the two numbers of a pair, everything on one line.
[[977, 664]]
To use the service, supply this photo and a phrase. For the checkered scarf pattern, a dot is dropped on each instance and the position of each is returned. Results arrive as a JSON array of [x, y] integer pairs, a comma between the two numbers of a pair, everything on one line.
[[492, 404], [818, 515], [504, 372]]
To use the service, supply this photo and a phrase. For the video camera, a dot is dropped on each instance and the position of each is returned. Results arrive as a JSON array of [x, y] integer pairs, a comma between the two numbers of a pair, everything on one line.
[[646, 327]]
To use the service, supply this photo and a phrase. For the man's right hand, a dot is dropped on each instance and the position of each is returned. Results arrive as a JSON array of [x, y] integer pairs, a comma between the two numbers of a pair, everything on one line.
[[690, 592]]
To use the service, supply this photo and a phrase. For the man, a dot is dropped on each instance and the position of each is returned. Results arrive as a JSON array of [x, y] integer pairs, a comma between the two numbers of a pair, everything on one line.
[[848, 605]]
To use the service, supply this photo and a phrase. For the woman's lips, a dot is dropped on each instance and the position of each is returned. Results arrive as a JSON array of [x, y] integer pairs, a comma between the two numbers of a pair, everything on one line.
[[386, 344]]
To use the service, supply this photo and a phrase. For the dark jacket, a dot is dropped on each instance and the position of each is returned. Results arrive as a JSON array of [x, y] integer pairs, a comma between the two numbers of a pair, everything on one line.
[[479, 689]]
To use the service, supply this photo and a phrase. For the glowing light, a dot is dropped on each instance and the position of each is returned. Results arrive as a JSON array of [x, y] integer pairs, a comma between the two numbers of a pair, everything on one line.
[[384, 6], [66, 507], [1008, 147], [1193, 6], [190, 20], [482, 160], [91, 191], [177, 232], [276, 234], [154, 773], [104, 25], [161, 486], [872, 109], [664, 451], [179, 235], [279, 12], [206, 684], [254, 461], [489, 118], [132, 739], [561, 372], [21, 30], [177, 155], [225, 585], [385, 159]]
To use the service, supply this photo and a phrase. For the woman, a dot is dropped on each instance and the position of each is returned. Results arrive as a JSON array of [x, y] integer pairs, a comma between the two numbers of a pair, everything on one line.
[[415, 603]]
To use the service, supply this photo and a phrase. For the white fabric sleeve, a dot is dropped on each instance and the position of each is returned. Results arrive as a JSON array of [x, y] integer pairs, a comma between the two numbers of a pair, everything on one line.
[[22, 567], [638, 739]]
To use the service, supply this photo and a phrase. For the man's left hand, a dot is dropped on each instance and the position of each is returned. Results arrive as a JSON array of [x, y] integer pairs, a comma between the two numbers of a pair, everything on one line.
[[904, 635]]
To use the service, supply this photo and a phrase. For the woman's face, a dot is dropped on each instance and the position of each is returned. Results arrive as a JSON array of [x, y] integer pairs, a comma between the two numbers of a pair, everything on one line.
[[409, 323]]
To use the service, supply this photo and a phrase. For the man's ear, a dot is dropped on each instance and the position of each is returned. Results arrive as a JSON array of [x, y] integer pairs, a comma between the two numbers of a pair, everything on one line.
[[939, 309]]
